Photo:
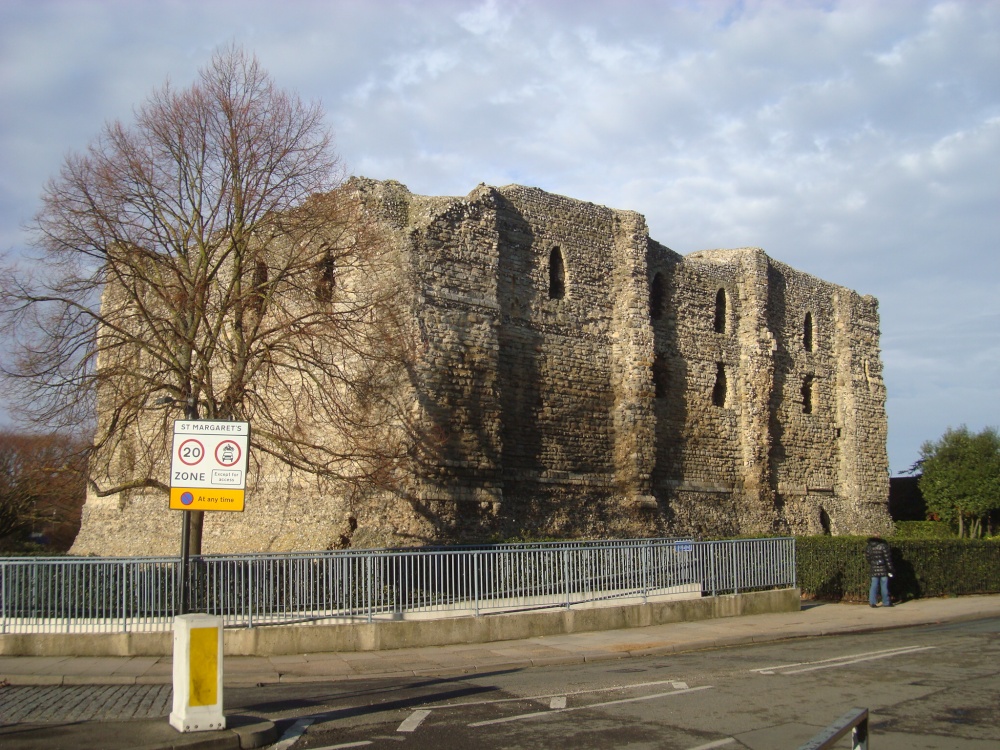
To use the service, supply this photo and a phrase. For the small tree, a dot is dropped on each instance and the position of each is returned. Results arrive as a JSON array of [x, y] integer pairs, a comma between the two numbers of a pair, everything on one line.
[[208, 258], [961, 477]]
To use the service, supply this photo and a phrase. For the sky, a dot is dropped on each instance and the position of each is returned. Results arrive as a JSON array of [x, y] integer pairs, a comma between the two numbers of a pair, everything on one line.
[[856, 141]]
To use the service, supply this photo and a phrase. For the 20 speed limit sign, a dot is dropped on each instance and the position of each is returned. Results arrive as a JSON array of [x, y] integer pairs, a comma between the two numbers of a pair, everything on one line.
[[208, 465]]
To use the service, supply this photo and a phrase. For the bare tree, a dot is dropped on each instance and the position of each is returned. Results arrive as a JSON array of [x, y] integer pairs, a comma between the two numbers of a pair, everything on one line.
[[210, 257]]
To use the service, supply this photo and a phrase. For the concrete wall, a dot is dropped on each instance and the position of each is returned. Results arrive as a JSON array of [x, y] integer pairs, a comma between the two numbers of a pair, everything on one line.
[[298, 639]]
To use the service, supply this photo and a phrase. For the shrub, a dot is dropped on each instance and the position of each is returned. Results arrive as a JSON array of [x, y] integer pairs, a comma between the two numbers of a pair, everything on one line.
[[835, 568], [923, 530]]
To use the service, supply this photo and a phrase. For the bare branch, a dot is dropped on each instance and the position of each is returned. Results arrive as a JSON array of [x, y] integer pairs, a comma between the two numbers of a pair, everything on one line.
[[210, 253]]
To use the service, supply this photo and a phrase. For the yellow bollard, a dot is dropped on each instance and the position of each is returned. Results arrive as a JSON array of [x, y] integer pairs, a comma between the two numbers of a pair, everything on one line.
[[197, 674]]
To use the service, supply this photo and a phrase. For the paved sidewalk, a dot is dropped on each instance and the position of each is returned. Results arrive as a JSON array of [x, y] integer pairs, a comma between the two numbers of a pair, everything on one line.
[[138, 681]]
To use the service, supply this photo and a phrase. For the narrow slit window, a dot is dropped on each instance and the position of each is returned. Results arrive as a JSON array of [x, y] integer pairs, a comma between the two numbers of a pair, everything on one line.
[[807, 333], [656, 295], [557, 275], [720, 311], [661, 377], [807, 394], [719, 390], [326, 277]]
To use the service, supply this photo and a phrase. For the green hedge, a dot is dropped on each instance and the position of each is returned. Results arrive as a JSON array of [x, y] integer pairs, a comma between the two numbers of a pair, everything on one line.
[[923, 530], [830, 567]]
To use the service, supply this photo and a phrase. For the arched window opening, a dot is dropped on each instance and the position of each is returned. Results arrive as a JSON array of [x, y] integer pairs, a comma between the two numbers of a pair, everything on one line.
[[824, 521], [656, 295], [557, 275], [807, 333], [661, 377], [326, 277], [719, 391], [807, 394], [720, 311], [259, 289]]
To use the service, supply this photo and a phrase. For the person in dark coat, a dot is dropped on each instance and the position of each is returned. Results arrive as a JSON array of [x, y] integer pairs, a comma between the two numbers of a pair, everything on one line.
[[879, 559]]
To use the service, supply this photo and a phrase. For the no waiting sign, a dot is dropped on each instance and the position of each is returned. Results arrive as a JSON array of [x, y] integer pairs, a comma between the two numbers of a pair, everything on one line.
[[208, 465]]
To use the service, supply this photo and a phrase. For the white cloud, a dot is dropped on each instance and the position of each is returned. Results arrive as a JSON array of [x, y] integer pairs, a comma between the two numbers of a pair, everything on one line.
[[486, 19], [857, 141]]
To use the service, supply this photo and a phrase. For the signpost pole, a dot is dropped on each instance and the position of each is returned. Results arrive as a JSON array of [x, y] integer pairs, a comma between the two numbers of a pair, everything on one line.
[[208, 467], [184, 604], [184, 598]]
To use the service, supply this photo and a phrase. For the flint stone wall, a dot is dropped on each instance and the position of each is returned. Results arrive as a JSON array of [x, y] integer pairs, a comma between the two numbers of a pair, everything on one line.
[[583, 380]]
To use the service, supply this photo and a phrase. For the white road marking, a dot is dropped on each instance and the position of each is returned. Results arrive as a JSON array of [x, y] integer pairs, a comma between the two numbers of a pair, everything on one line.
[[538, 714], [615, 688], [876, 654], [855, 661], [679, 685], [717, 743], [292, 734], [412, 721], [558, 702]]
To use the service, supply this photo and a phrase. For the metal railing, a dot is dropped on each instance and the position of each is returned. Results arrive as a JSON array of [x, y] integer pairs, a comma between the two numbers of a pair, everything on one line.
[[101, 595], [854, 721]]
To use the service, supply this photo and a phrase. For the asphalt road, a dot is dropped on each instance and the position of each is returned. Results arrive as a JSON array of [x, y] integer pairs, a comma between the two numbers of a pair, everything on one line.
[[927, 688]]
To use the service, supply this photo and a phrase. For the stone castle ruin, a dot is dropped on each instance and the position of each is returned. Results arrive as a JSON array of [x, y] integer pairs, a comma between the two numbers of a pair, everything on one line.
[[584, 380]]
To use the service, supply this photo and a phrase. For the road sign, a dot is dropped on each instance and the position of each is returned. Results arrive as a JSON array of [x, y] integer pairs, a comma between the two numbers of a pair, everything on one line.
[[208, 467]]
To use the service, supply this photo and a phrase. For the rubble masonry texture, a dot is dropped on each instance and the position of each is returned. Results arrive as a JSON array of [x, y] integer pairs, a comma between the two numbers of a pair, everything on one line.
[[587, 381]]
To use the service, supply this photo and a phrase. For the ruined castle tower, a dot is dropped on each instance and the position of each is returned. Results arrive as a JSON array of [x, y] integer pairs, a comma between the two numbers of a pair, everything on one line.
[[583, 380]]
